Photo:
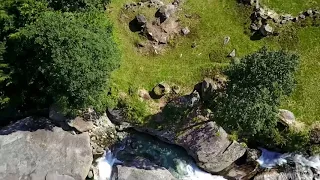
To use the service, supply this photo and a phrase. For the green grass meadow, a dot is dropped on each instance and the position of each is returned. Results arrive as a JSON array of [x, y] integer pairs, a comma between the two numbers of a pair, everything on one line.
[[211, 21]]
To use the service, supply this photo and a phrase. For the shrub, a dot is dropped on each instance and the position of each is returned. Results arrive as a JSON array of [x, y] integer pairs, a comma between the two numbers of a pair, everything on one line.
[[256, 85], [15, 14], [64, 58], [77, 5]]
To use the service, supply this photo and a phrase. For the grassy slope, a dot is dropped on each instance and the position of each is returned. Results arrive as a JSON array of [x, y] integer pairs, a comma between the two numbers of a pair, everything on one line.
[[219, 18], [292, 6], [305, 102]]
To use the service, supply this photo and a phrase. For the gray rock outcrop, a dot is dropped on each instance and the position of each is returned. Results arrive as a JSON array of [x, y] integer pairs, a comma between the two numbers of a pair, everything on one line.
[[132, 173], [80, 124], [44, 154], [207, 143], [166, 11], [286, 117]]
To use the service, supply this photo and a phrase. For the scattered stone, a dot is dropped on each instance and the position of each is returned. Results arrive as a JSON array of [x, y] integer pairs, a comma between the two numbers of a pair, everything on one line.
[[254, 27], [302, 16], [283, 21], [90, 174], [310, 12], [193, 45], [144, 94], [266, 30], [232, 54], [185, 31], [161, 89], [226, 40], [287, 117], [141, 19], [81, 125], [166, 11], [188, 15], [195, 99], [176, 89]]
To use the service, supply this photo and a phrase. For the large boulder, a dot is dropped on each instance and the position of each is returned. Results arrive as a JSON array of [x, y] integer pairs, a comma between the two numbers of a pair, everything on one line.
[[206, 142], [286, 117], [165, 12], [46, 153], [80, 124], [210, 146], [133, 173]]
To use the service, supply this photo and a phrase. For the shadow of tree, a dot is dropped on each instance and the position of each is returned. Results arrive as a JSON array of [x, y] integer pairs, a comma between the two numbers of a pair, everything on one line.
[[28, 124]]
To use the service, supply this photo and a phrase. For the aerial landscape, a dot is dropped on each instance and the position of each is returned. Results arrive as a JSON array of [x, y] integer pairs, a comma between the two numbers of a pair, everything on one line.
[[159, 90]]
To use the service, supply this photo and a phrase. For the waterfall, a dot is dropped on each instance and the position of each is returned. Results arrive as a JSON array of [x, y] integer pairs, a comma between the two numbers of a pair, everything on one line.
[[192, 172], [106, 162], [186, 171], [302, 168]]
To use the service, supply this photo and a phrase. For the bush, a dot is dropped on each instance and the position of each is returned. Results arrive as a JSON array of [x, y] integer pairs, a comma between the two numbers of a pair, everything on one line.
[[256, 85], [15, 14], [64, 58], [77, 5]]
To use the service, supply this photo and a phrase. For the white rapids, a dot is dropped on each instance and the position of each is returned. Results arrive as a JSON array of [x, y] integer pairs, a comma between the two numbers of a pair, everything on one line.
[[188, 171], [305, 168]]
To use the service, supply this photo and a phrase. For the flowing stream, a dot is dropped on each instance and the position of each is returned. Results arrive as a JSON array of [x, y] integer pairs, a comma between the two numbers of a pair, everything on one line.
[[181, 165], [296, 166], [173, 158]]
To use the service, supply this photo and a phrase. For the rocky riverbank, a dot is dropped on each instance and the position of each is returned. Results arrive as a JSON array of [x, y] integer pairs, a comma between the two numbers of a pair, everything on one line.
[[36, 148]]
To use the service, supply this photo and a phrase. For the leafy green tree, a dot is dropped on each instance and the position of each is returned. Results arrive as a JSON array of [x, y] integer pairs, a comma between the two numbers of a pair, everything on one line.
[[18, 13], [77, 5], [64, 58], [256, 85]]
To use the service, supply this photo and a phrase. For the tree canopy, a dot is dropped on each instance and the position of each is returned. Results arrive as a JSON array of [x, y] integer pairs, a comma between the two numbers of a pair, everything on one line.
[[76, 5], [64, 58], [256, 85]]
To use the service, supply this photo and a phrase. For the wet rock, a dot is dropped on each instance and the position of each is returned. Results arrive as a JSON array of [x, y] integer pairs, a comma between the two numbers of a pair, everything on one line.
[[90, 174], [209, 145], [80, 124], [41, 152], [105, 133], [133, 173]]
